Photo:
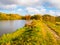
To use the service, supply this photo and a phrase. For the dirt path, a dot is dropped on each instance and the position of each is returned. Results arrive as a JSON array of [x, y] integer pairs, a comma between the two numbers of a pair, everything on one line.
[[46, 27], [53, 32]]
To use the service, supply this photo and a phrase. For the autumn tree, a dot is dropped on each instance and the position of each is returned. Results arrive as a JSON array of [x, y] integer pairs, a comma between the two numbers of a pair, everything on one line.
[[48, 17], [57, 18], [37, 17], [4, 16], [28, 17]]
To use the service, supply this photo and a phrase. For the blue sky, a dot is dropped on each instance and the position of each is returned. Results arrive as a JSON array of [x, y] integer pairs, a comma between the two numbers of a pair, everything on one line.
[[24, 7]]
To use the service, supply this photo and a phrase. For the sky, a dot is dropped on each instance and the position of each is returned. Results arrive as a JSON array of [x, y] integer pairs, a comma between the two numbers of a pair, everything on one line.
[[24, 7]]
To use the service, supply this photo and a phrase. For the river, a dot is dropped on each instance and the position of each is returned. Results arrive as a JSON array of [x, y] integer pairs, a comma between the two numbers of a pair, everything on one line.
[[8, 26]]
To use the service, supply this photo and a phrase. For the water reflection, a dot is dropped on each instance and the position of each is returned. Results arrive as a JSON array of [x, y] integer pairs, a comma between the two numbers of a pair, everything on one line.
[[10, 26]]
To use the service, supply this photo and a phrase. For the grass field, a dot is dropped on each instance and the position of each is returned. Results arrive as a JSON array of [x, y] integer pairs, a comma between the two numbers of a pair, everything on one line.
[[54, 27], [38, 33]]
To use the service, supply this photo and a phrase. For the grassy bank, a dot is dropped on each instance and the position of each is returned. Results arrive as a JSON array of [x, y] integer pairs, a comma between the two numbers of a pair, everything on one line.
[[35, 34], [54, 27]]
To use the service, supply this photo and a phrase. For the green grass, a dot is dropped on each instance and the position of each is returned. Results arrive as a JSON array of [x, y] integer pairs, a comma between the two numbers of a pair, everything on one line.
[[55, 27], [36, 34]]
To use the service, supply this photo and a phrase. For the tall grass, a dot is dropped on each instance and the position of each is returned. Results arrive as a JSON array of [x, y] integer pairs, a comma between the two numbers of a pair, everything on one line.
[[36, 34], [55, 27]]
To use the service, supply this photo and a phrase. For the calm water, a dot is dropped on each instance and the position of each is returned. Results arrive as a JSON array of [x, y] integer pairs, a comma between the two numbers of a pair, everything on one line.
[[10, 26]]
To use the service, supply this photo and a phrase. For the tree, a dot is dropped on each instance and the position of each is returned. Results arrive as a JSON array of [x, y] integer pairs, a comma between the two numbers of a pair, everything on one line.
[[28, 17], [37, 17], [49, 18]]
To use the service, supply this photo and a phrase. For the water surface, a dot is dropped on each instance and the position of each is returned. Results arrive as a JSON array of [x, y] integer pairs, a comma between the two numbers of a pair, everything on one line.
[[10, 26]]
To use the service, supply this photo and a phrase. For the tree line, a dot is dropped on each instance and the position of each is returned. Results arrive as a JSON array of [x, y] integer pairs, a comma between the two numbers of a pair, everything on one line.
[[45, 17], [4, 16]]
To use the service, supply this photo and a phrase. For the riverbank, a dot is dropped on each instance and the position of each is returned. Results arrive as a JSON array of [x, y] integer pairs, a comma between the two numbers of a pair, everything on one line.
[[37, 34]]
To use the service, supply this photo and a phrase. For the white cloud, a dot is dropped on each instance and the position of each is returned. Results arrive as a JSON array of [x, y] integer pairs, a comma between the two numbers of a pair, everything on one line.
[[57, 13], [51, 12], [8, 7], [19, 10], [55, 3], [29, 4], [32, 10], [11, 4], [43, 11], [20, 2]]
